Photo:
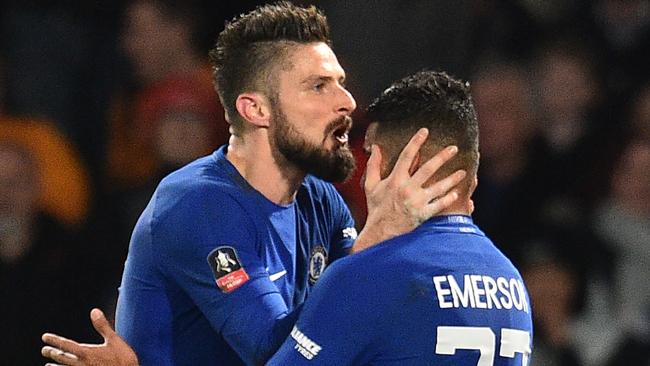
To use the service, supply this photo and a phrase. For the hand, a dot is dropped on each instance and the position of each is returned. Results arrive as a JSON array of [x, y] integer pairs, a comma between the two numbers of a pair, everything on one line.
[[399, 203], [114, 351]]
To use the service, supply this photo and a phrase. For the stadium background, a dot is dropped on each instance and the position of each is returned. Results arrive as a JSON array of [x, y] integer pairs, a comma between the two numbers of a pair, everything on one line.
[[100, 99]]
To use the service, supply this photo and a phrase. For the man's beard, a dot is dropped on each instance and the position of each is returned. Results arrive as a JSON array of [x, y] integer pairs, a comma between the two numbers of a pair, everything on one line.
[[332, 166]]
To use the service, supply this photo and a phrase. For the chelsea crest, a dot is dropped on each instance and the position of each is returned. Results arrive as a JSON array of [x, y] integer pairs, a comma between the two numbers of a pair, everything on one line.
[[317, 263]]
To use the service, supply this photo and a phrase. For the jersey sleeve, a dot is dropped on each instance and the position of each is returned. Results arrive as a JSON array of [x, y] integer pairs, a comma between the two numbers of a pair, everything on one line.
[[337, 324], [344, 233], [207, 247]]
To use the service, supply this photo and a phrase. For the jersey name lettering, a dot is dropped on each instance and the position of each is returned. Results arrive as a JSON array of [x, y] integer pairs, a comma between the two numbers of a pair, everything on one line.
[[481, 292]]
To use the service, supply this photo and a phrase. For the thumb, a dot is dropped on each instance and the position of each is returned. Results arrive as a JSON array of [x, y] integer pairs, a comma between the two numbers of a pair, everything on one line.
[[101, 324]]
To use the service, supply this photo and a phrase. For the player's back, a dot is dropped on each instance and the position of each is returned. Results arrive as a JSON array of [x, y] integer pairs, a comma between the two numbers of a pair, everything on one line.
[[441, 295], [456, 299]]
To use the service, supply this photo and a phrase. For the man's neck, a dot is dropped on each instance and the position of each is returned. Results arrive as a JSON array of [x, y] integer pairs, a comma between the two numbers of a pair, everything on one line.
[[252, 156], [462, 206]]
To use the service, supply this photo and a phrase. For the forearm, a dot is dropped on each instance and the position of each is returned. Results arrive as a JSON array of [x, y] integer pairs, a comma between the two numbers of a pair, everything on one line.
[[256, 330], [280, 331]]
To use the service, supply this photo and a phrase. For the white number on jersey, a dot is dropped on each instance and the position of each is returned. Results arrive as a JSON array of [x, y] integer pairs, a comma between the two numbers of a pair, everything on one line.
[[449, 339]]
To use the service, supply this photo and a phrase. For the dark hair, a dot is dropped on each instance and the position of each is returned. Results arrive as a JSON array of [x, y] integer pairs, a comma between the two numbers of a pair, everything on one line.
[[250, 47], [433, 100]]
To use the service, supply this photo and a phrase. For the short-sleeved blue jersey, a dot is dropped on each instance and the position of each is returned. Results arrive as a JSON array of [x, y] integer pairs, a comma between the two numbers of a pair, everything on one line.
[[215, 270], [440, 295]]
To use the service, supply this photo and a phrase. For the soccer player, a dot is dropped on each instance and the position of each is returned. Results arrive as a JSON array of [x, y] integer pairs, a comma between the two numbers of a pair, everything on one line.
[[442, 294], [230, 246]]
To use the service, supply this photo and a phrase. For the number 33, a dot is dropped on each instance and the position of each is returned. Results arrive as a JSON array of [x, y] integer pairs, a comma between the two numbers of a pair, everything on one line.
[[483, 339]]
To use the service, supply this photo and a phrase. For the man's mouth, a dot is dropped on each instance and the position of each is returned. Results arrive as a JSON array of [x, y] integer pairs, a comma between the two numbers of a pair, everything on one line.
[[341, 130], [341, 134]]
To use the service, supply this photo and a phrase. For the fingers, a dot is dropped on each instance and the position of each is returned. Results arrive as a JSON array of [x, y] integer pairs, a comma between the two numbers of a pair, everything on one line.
[[443, 186], [101, 324], [409, 152], [428, 169], [60, 356], [373, 169], [441, 195], [63, 344], [438, 205]]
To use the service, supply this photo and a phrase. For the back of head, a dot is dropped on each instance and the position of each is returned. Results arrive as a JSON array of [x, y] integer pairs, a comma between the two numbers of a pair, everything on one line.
[[250, 48], [438, 102]]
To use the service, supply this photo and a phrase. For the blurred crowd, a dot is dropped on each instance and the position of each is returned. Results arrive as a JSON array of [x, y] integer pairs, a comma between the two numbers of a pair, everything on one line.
[[100, 100]]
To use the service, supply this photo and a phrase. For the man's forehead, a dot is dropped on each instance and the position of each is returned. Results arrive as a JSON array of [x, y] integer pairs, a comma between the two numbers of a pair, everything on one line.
[[315, 60]]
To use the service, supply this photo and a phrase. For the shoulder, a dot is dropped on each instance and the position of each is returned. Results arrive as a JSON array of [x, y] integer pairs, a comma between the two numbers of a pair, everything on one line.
[[370, 264], [196, 193], [200, 180]]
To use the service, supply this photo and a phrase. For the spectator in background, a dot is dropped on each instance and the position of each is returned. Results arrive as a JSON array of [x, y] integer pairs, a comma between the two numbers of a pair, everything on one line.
[[38, 262], [622, 30], [174, 103], [615, 328], [574, 141], [44, 201], [65, 192], [173, 82], [558, 265], [506, 199], [553, 287]]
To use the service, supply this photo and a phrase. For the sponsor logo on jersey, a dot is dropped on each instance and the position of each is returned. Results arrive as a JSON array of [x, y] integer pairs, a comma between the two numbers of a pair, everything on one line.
[[350, 232], [481, 292], [277, 276], [226, 266], [305, 346], [317, 263]]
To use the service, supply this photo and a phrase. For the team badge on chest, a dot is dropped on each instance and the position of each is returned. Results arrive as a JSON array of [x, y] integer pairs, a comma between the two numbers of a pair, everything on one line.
[[226, 266], [317, 263]]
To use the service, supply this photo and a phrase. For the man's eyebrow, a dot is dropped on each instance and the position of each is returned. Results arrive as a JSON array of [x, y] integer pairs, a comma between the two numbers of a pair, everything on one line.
[[322, 78]]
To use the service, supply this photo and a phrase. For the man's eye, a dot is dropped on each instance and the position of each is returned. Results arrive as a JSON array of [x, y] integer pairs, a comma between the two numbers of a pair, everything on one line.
[[319, 86]]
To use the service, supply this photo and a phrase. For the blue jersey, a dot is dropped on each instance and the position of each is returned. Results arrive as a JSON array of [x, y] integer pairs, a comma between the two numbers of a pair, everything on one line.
[[440, 295], [216, 272]]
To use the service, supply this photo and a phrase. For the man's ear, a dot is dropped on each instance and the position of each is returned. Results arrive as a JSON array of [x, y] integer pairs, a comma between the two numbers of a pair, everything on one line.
[[254, 108]]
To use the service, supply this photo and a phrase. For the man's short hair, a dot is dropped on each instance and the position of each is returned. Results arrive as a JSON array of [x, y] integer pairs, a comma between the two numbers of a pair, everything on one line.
[[433, 100], [251, 46]]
